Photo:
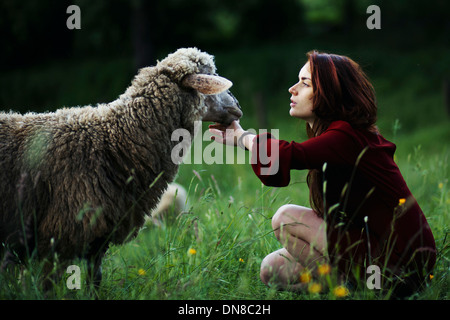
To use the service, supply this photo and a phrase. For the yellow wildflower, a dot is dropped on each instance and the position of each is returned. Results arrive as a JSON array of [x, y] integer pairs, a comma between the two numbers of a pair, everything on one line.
[[440, 185], [323, 269], [315, 287], [241, 260], [305, 277], [192, 251], [340, 291], [401, 201], [431, 276], [141, 272]]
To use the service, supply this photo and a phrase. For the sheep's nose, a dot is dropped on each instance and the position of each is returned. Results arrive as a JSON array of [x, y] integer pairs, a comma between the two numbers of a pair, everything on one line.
[[235, 111]]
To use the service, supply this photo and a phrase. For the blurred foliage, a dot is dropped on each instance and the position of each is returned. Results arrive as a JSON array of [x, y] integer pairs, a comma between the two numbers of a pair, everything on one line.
[[34, 31], [258, 43]]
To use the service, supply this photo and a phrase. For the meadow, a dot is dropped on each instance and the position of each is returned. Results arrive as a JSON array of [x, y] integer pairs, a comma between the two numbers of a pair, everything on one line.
[[214, 249]]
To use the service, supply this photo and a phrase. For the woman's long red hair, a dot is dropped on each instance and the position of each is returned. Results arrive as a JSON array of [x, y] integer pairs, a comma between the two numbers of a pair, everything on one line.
[[341, 91]]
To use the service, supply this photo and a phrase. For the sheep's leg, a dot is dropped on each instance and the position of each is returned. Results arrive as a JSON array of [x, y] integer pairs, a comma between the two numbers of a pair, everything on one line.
[[94, 259], [21, 250], [95, 270], [8, 260]]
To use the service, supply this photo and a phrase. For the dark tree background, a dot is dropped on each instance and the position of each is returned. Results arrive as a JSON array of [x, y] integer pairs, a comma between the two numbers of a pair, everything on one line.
[[43, 64], [35, 31]]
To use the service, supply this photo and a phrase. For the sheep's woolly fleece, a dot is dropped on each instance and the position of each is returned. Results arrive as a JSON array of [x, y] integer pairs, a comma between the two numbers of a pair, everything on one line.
[[86, 176]]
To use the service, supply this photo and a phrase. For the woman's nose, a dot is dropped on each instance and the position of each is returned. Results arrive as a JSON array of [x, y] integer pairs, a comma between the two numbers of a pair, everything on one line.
[[292, 90]]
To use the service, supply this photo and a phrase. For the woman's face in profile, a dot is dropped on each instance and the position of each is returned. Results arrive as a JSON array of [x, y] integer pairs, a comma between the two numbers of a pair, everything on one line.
[[301, 96]]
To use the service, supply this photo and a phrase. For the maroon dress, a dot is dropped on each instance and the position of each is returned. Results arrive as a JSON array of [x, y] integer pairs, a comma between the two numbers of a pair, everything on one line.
[[362, 180]]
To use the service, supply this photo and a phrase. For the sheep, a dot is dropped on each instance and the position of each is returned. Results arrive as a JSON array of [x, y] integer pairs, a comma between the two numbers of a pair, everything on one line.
[[173, 202], [77, 179]]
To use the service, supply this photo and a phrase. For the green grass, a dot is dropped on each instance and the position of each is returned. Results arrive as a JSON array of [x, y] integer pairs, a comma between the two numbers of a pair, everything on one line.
[[228, 224], [228, 221]]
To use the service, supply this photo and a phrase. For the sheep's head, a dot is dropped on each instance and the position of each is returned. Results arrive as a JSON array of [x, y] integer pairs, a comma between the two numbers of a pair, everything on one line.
[[194, 69], [222, 106]]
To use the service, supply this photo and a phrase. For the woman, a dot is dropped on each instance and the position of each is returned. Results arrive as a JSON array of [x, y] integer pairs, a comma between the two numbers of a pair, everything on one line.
[[362, 210]]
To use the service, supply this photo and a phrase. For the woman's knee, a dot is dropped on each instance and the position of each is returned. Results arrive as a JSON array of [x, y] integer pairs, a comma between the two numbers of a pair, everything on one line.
[[279, 217], [266, 271], [279, 267], [300, 222], [288, 214]]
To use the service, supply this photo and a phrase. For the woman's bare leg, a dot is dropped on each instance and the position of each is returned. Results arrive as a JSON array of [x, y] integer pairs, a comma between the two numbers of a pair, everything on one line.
[[280, 270], [301, 232], [303, 236]]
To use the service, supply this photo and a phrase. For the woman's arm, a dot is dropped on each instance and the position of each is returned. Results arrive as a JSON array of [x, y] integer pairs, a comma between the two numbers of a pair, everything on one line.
[[232, 134], [336, 145]]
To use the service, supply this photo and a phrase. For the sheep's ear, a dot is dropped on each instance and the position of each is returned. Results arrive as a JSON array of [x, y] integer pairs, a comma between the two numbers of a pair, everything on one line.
[[206, 84]]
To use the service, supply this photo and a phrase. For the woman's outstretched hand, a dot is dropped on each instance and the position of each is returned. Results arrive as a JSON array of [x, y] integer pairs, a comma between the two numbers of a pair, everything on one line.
[[228, 135], [231, 134]]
